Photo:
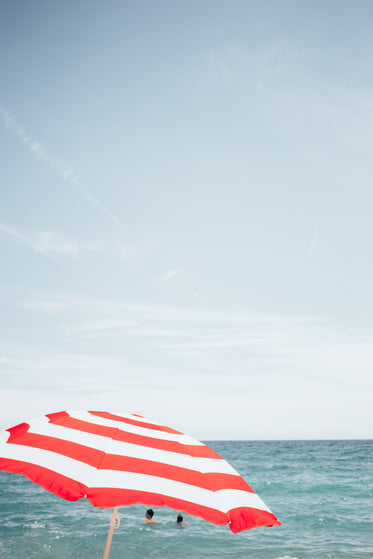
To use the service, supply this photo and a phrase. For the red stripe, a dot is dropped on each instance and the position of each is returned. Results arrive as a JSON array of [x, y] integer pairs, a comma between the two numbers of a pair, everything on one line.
[[104, 497], [113, 417], [18, 430], [79, 452], [239, 519], [198, 451], [217, 481], [244, 518], [58, 484], [57, 415], [98, 459]]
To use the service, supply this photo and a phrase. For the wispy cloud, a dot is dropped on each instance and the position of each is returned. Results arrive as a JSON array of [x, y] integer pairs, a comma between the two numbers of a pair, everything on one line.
[[115, 348], [169, 275], [177, 273], [48, 243], [14, 234], [63, 169], [180, 354], [184, 329], [196, 295]]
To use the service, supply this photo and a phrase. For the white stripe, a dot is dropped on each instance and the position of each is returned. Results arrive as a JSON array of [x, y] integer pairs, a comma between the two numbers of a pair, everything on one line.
[[68, 467], [223, 500], [234, 498], [110, 446], [86, 416]]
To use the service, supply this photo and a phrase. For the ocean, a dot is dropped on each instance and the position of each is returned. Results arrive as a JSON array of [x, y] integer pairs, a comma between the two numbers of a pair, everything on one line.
[[321, 491]]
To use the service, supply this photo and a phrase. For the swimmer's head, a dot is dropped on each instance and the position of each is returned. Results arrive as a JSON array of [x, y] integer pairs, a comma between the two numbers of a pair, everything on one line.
[[179, 518], [149, 513]]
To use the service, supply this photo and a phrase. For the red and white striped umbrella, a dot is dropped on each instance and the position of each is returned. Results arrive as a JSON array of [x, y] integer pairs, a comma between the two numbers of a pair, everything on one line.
[[124, 460]]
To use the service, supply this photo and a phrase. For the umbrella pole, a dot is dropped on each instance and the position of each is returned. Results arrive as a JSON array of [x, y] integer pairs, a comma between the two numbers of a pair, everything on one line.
[[114, 524]]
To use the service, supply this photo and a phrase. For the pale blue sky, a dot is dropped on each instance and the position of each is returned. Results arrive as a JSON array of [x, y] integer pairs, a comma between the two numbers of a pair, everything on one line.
[[186, 214]]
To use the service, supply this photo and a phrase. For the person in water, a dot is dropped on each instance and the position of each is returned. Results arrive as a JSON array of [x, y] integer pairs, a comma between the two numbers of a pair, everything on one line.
[[149, 516], [180, 520]]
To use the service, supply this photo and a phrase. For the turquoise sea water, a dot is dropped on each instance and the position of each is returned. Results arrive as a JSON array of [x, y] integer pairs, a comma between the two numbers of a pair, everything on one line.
[[321, 491]]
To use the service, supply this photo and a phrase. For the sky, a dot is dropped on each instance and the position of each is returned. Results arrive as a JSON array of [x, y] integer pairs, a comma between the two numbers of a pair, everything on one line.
[[186, 222]]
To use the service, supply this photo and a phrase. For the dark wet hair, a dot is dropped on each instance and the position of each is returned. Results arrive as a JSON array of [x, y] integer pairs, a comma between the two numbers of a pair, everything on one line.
[[150, 512], [179, 518]]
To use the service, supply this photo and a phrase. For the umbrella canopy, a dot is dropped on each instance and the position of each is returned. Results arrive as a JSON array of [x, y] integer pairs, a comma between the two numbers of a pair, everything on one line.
[[124, 460]]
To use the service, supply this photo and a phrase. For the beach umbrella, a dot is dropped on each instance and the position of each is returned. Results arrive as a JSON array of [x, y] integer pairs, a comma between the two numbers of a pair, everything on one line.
[[117, 460]]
